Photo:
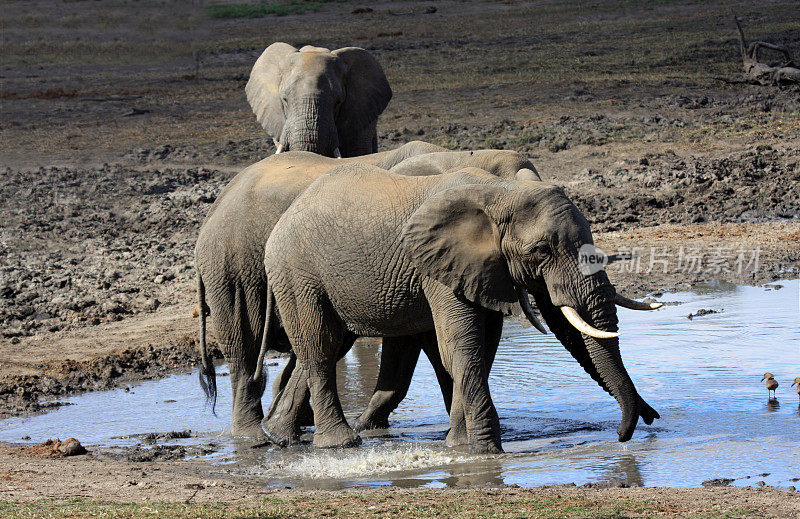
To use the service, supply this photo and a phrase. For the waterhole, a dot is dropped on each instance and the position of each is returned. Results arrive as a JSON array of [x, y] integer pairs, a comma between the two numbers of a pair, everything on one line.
[[701, 374]]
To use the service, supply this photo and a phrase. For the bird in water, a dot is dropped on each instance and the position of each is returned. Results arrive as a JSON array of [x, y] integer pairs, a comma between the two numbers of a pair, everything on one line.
[[772, 384], [797, 383]]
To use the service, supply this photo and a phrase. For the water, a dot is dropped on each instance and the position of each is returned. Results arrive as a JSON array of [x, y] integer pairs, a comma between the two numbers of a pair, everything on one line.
[[702, 375]]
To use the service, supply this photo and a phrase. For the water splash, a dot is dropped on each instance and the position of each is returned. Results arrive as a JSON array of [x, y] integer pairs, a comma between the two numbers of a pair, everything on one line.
[[366, 461]]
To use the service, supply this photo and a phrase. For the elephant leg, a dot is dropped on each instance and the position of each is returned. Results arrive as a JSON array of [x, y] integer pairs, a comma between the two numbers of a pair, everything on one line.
[[461, 331], [291, 407], [319, 343], [247, 411], [399, 357], [431, 349], [305, 415], [457, 435], [283, 421], [238, 323]]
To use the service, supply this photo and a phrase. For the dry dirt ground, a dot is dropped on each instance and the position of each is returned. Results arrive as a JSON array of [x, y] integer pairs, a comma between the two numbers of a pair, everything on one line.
[[116, 141]]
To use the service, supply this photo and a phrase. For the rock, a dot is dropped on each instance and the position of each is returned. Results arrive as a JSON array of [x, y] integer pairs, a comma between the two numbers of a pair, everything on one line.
[[702, 312], [162, 278], [71, 447], [54, 449], [717, 482]]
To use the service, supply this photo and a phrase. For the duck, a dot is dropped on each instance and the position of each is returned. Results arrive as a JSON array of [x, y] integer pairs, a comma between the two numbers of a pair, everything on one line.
[[797, 383], [772, 384]]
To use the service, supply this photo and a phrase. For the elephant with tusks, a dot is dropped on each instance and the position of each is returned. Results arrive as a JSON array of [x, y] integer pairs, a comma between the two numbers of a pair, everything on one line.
[[367, 252], [232, 285]]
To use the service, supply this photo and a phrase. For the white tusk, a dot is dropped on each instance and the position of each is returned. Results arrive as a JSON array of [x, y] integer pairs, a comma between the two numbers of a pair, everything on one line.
[[582, 326], [278, 146], [636, 305], [337, 153], [525, 303]]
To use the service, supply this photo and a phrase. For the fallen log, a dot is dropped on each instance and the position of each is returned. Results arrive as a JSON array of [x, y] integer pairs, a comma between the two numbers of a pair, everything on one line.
[[762, 73]]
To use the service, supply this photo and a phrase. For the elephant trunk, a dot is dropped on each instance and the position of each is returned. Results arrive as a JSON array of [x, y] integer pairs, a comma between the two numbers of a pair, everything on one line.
[[605, 356], [600, 357], [311, 127]]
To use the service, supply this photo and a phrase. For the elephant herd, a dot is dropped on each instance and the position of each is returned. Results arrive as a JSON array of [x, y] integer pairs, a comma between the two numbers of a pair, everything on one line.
[[328, 241]]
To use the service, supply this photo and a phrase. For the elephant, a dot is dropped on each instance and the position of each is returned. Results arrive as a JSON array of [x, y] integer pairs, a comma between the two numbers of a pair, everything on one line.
[[230, 275], [317, 100], [399, 355], [366, 252], [229, 257]]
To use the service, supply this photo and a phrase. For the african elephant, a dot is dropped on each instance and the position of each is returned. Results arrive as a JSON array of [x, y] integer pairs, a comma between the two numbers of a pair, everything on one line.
[[229, 261], [318, 100], [399, 355], [365, 252]]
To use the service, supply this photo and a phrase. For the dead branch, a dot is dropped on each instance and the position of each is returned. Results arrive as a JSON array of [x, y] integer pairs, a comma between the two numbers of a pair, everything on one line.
[[762, 73]]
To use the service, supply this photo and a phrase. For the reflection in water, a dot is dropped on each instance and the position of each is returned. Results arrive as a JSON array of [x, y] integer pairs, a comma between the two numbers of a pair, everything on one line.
[[624, 468], [356, 374], [488, 474], [698, 374]]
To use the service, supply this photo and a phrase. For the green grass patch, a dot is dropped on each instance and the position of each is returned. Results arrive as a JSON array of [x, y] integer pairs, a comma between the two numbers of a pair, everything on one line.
[[264, 8]]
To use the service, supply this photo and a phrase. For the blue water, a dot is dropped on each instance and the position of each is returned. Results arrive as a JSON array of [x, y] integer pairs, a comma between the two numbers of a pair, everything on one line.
[[703, 376]]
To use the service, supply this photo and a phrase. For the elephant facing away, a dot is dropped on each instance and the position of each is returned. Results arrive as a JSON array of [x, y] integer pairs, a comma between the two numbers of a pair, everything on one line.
[[317, 100], [229, 261], [365, 252]]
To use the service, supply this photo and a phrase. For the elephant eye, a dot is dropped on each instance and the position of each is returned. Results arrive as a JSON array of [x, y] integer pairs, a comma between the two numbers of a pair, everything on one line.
[[541, 249]]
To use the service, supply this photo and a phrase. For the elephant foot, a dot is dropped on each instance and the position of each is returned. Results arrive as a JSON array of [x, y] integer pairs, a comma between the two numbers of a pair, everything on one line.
[[485, 447], [367, 423], [251, 430], [341, 436], [280, 432], [456, 436]]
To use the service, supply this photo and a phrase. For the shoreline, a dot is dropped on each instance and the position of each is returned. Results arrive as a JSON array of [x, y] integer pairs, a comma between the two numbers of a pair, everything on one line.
[[189, 488]]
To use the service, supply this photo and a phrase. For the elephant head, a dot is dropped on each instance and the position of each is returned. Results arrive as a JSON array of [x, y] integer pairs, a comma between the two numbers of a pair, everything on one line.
[[316, 100], [493, 242]]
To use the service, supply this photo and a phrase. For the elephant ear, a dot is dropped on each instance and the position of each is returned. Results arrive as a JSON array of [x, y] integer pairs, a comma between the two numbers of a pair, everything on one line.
[[367, 91], [263, 87], [453, 239]]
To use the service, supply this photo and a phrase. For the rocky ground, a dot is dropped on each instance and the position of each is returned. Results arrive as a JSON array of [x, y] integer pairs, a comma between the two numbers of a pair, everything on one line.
[[114, 147]]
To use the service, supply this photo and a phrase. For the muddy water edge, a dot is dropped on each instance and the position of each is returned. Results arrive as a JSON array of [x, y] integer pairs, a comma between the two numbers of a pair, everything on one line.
[[702, 374]]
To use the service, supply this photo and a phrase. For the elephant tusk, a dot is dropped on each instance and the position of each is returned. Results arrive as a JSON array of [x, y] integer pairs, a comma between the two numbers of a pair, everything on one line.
[[582, 326], [337, 153], [278, 146], [636, 305], [525, 303]]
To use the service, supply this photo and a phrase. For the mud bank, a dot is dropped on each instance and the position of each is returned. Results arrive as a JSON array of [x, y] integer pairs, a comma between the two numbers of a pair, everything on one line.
[[69, 486]]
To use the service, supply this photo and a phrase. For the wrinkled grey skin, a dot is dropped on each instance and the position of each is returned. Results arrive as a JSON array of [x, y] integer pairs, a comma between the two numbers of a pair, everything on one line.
[[399, 355], [229, 260], [314, 99], [364, 252]]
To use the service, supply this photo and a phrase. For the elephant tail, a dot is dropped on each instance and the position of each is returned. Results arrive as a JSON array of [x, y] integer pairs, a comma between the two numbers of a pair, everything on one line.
[[268, 323], [208, 375]]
